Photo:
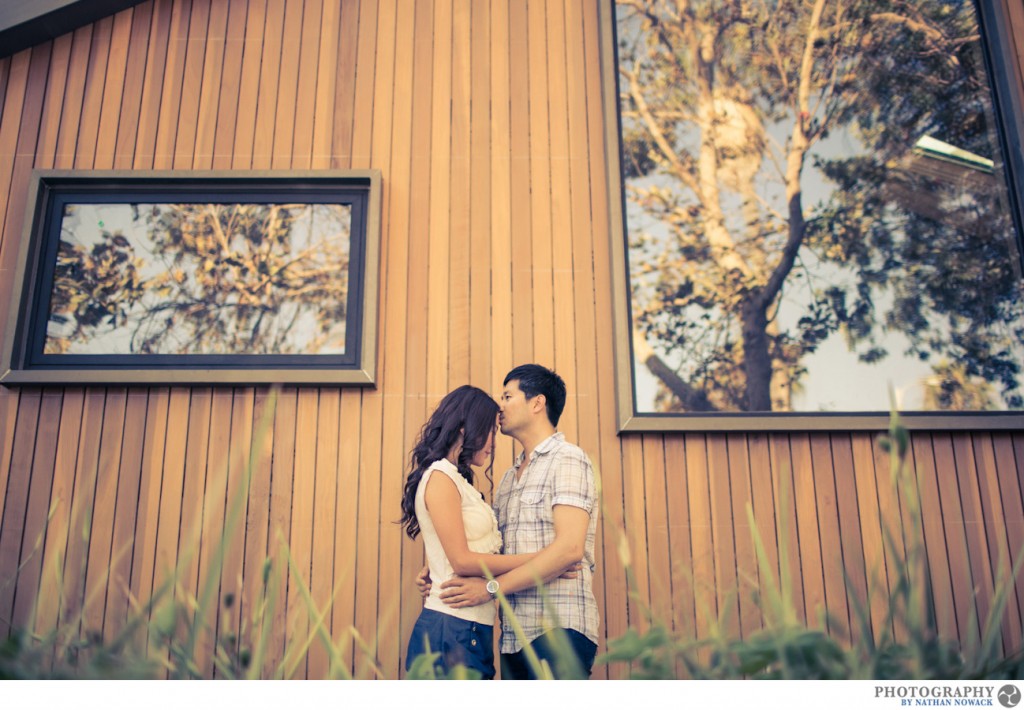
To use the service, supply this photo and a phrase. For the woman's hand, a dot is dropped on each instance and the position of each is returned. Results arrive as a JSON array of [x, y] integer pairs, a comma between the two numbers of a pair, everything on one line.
[[423, 582], [572, 571]]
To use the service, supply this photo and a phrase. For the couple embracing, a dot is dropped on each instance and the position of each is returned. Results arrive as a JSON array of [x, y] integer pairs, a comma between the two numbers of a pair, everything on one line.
[[535, 547]]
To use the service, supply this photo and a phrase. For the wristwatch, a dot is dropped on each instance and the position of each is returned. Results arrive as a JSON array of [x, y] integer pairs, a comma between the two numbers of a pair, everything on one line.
[[492, 588]]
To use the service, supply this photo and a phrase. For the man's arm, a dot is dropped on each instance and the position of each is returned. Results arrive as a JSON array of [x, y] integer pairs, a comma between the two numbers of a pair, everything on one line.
[[566, 549]]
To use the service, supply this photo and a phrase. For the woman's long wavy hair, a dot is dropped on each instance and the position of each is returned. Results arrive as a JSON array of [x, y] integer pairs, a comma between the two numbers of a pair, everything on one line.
[[468, 411]]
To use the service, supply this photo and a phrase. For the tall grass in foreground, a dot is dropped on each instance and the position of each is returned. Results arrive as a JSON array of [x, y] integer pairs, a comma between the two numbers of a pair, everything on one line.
[[907, 645], [170, 635]]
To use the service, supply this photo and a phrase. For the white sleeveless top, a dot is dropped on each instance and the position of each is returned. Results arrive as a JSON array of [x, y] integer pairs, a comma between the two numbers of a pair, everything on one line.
[[481, 535]]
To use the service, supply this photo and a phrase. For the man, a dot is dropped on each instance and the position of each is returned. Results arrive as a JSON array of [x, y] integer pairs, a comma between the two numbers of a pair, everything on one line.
[[546, 503]]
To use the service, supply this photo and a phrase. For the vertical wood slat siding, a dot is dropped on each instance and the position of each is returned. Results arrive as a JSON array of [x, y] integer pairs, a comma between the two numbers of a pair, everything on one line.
[[417, 283], [702, 539], [890, 517], [679, 572], [486, 119], [724, 553], [997, 526], [396, 320], [538, 120], [356, 47], [811, 553], [655, 514], [15, 70], [614, 611], [740, 495], [218, 471], [126, 517], [57, 531], [872, 534], [787, 537], [973, 520], [1010, 484], [634, 527], [955, 527], [242, 575], [38, 498], [456, 275], [240, 453], [373, 145], [564, 353], [519, 138], [850, 531]]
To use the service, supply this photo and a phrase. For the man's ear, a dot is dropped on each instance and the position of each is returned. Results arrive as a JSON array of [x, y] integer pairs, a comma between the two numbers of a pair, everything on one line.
[[539, 403]]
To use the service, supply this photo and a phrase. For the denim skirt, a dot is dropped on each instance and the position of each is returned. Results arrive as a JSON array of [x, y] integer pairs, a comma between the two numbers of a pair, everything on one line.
[[457, 640]]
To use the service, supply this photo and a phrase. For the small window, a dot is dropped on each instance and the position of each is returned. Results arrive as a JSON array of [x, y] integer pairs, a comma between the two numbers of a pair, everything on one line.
[[197, 278]]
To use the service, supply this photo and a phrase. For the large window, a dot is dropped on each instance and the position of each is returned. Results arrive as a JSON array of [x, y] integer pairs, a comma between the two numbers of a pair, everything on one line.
[[198, 277], [818, 212]]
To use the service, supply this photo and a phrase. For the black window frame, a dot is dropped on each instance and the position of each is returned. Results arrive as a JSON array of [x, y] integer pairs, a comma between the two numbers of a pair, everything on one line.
[[24, 360]]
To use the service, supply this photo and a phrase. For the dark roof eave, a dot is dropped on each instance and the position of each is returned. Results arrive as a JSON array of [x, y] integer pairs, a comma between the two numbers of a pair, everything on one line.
[[26, 23]]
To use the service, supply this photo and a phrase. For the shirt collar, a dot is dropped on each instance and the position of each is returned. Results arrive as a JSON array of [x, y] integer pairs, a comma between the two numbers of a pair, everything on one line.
[[544, 447]]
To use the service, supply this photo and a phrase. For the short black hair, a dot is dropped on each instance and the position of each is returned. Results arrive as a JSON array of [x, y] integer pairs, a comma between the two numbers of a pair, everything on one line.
[[537, 379]]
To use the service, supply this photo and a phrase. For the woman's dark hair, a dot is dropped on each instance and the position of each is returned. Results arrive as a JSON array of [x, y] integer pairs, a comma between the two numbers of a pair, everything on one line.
[[468, 411]]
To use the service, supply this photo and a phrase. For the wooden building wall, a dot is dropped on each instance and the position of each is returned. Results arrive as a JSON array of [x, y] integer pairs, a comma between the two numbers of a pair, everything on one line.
[[485, 118]]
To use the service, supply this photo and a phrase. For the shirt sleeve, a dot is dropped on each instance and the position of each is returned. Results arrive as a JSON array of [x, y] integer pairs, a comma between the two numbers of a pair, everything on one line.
[[574, 481]]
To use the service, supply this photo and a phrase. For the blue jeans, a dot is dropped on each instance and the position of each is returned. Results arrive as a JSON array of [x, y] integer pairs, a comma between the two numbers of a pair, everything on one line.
[[569, 653], [457, 640]]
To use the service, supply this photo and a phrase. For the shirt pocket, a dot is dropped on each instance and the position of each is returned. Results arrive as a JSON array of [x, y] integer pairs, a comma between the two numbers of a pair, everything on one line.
[[534, 506]]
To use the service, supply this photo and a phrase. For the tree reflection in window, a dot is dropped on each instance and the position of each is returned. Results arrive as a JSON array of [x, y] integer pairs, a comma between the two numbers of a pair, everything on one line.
[[815, 196], [200, 279]]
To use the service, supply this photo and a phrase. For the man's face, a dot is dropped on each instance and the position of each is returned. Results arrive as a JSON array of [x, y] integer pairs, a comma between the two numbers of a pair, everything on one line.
[[515, 409]]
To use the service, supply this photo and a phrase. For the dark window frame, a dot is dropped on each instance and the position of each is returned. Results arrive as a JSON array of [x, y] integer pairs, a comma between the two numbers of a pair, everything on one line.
[[24, 361], [1008, 99]]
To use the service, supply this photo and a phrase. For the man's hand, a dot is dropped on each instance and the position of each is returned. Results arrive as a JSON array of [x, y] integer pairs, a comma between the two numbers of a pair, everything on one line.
[[423, 582], [459, 592]]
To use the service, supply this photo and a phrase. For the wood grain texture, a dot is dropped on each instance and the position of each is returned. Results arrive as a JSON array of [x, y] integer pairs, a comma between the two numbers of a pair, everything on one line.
[[702, 539], [607, 452], [415, 375], [872, 533], [36, 508], [58, 530], [12, 524]]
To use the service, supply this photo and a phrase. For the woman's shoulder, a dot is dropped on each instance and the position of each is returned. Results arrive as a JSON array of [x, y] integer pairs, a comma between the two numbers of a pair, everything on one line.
[[446, 467], [443, 465]]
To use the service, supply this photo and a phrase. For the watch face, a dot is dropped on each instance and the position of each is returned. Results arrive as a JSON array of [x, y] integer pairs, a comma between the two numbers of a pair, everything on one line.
[[492, 587]]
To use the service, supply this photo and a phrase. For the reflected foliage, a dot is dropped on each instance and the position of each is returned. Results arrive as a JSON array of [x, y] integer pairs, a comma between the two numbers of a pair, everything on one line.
[[801, 171], [202, 279]]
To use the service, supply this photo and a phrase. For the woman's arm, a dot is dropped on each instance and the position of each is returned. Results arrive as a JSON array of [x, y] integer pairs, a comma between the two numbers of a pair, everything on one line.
[[445, 506]]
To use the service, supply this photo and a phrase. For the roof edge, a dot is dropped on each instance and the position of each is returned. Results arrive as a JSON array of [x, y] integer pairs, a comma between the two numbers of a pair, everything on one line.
[[26, 23]]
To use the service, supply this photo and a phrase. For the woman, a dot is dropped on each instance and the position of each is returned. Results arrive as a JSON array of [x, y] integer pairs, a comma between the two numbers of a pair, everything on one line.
[[459, 529]]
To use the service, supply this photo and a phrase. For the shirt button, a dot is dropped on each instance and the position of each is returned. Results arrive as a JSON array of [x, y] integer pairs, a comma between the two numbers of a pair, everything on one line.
[[473, 642]]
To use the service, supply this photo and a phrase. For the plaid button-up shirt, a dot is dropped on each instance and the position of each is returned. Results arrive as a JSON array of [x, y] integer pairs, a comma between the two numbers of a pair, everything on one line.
[[558, 473]]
